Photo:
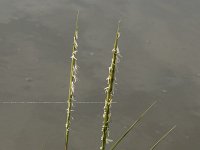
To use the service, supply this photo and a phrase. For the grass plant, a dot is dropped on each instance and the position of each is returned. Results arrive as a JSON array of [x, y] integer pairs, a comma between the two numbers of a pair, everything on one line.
[[109, 90], [73, 78]]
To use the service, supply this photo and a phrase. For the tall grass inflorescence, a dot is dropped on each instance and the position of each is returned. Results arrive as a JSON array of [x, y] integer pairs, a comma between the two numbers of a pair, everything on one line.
[[73, 79], [109, 92]]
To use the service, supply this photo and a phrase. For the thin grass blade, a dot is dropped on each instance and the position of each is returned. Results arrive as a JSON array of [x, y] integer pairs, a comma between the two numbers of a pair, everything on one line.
[[162, 138], [132, 126]]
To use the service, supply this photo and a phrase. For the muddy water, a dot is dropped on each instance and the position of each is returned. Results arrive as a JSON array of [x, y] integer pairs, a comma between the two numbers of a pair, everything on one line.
[[160, 48]]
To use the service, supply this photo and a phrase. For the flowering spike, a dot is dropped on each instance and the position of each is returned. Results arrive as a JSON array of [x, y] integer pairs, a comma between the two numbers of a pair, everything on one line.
[[109, 93], [73, 79]]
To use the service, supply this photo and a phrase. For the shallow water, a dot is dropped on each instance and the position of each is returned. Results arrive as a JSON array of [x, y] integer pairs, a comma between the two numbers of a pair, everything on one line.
[[160, 48]]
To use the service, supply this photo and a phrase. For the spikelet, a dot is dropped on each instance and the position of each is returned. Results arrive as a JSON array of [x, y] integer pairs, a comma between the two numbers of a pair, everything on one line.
[[73, 79], [109, 90]]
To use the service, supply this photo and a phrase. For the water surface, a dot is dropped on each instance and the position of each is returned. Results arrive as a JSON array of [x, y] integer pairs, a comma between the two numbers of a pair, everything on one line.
[[160, 48]]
